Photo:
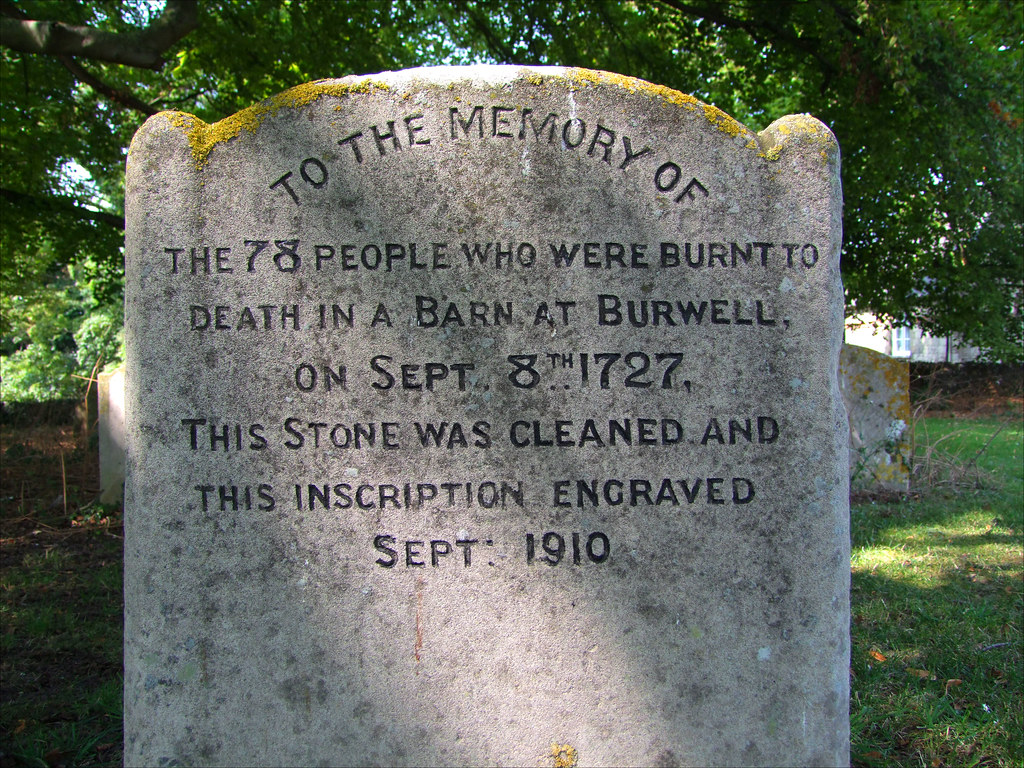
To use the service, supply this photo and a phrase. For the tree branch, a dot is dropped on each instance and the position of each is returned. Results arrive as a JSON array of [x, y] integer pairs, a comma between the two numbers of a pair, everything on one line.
[[494, 42], [187, 98], [763, 31], [139, 48], [124, 98], [60, 206]]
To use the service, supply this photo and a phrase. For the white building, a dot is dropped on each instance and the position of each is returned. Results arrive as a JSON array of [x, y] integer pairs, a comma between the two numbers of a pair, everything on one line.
[[909, 343]]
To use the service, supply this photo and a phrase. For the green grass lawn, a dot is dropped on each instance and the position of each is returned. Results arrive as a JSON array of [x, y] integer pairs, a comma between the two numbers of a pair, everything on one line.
[[61, 650], [938, 599]]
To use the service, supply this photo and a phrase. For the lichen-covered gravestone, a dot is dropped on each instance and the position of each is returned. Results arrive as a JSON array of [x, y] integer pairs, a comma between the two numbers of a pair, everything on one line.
[[485, 416], [876, 393]]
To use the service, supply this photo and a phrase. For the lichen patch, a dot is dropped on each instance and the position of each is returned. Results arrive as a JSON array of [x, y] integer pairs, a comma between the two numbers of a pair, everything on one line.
[[203, 137], [564, 755]]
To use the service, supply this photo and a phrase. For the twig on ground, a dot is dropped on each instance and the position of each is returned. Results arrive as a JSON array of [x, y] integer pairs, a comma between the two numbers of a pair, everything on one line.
[[992, 647], [64, 484]]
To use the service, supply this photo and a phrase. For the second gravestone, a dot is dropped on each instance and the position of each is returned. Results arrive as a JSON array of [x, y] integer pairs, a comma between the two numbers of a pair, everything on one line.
[[485, 416]]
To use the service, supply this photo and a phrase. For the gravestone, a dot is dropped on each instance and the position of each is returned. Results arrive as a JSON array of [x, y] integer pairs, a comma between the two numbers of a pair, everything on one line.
[[876, 392], [485, 415], [110, 400]]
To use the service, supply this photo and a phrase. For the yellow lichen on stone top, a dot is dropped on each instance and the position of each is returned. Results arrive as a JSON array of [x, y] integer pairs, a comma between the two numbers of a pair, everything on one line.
[[719, 119], [202, 137], [803, 126], [565, 755], [631, 84], [728, 124]]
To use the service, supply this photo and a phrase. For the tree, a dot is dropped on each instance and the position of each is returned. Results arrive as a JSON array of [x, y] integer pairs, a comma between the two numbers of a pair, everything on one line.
[[74, 93], [924, 98]]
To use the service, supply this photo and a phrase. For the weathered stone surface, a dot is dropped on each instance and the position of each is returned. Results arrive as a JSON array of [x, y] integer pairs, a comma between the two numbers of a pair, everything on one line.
[[110, 396], [876, 391], [479, 510]]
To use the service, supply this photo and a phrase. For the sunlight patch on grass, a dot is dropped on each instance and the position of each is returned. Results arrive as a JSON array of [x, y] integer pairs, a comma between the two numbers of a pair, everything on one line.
[[872, 558], [937, 596]]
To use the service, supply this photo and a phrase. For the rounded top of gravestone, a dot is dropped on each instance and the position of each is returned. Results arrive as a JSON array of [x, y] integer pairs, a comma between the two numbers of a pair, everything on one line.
[[413, 85]]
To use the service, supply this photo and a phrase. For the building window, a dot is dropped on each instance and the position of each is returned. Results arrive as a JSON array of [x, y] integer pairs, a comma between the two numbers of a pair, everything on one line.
[[901, 341]]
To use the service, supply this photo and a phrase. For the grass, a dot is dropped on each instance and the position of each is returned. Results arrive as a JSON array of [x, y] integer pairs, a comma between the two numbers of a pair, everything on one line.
[[60, 607], [937, 599]]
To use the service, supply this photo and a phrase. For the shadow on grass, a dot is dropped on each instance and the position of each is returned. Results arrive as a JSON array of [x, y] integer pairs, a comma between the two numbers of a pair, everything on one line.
[[941, 509], [60, 649], [937, 654]]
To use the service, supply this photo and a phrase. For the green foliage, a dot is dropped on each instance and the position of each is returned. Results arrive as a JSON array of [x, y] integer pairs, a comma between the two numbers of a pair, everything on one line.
[[59, 265], [924, 97], [56, 336], [63, 145], [290, 43]]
